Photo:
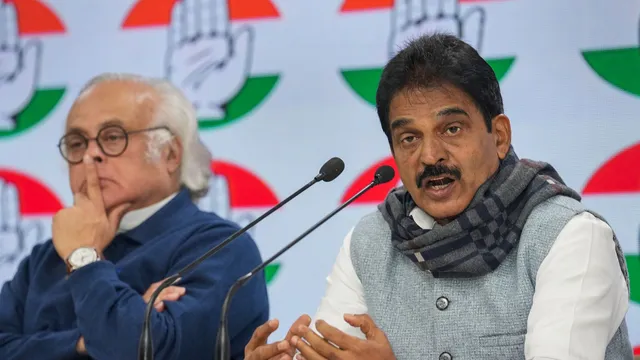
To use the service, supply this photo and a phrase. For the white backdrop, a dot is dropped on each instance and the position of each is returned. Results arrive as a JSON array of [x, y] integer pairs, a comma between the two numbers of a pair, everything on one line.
[[299, 80]]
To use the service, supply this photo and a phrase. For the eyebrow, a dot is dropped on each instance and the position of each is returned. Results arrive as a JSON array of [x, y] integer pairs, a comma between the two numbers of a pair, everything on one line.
[[114, 121], [452, 111], [398, 123]]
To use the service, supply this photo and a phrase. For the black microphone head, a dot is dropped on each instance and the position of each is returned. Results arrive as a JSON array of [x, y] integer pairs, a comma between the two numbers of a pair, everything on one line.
[[331, 169], [384, 174]]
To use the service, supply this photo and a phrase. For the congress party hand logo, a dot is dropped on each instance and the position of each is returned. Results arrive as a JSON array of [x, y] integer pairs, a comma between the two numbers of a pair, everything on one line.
[[238, 195], [26, 209], [16, 236], [19, 67], [619, 67], [23, 102], [412, 18], [210, 55], [206, 59]]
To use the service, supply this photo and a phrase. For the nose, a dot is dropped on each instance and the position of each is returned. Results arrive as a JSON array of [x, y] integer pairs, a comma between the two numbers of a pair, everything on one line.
[[95, 152], [432, 151]]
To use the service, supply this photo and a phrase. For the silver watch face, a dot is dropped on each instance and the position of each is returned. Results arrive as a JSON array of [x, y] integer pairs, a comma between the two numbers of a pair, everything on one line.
[[82, 256]]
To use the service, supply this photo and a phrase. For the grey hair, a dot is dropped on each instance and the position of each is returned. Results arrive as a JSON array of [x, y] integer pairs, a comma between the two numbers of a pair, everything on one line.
[[176, 112]]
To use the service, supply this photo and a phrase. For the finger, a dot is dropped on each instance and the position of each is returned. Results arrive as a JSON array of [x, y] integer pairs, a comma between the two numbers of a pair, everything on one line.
[[431, 8], [261, 334], [159, 306], [241, 51], [150, 291], [302, 320], [276, 351], [115, 215], [33, 234], [30, 61], [177, 27], [306, 350], [3, 184], [206, 17], [10, 206], [171, 293], [221, 21], [167, 296], [363, 321], [340, 339], [400, 15], [93, 183], [3, 26], [193, 18], [319, 345], [473, 27], [10, 21], [417, 11], [220, 199], [449, 8], [283, 356]]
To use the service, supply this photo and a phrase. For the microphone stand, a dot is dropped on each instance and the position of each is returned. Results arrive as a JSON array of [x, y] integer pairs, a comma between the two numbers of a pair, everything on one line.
[[329, 171], [223, 342]]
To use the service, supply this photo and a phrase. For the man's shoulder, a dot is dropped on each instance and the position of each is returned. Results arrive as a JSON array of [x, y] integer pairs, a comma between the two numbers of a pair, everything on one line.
[[212, 229], [371, 231]]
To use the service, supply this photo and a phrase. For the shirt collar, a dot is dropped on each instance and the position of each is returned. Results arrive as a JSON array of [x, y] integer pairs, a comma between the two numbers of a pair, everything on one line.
[[134, 218], [143, 224], [422, 219]]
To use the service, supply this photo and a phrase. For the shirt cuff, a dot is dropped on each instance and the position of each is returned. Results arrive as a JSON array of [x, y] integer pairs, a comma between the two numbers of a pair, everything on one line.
[[82, 280]]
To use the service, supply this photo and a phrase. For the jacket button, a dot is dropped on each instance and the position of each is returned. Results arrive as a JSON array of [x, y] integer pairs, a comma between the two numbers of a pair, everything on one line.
[[445, 356], [442, 303]]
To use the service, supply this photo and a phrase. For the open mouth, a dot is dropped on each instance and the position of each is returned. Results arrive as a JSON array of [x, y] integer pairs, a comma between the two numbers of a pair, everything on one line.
[[439, 183]]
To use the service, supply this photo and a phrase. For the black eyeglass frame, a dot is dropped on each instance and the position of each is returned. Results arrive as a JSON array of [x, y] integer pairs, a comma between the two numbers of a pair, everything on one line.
[[126, 140]]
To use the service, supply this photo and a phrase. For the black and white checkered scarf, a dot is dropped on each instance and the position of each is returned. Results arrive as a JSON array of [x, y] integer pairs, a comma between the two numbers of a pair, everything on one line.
[[481, 237]]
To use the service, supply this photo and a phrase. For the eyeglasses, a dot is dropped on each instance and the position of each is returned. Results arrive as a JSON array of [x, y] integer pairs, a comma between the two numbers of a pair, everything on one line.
[[112, 140]]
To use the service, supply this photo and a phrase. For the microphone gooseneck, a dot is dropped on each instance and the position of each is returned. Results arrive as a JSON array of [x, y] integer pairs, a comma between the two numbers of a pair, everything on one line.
[[382, 175], [328, 172]]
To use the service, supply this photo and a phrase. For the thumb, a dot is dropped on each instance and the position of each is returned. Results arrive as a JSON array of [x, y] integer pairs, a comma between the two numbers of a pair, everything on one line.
[[362, 321], [473, 27], [31, 56], [117, 213], [241, 54]]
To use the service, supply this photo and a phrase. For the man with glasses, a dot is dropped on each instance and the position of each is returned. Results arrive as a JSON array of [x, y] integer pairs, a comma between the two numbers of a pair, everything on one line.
[[136, 168]]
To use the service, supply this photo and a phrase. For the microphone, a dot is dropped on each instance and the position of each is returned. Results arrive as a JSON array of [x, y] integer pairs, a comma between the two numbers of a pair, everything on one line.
[[328, 172], [382, 175]]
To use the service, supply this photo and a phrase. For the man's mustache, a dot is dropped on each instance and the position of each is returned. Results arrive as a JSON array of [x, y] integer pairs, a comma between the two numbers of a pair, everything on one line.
[[437, 170]]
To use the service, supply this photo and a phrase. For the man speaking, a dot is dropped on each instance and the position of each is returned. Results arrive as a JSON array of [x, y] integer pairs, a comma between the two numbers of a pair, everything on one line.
[[480, 255], [136, 167]]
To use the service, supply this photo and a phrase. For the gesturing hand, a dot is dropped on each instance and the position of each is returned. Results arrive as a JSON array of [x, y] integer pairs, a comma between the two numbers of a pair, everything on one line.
[[258, 349], [86, 223], [347, 347]]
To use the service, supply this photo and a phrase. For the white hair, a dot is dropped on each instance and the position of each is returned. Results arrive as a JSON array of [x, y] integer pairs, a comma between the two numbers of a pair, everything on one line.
[[176, 112]]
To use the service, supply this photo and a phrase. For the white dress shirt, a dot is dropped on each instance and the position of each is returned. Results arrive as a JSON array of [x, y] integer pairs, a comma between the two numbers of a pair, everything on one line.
[[580, 300], [133, 218]]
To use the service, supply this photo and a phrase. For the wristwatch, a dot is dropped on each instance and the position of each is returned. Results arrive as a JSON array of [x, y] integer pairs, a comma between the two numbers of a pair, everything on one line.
[[82, 256]]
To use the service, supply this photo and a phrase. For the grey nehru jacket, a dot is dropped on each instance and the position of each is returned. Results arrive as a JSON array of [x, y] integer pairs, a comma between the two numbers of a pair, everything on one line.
[[478, 318]]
